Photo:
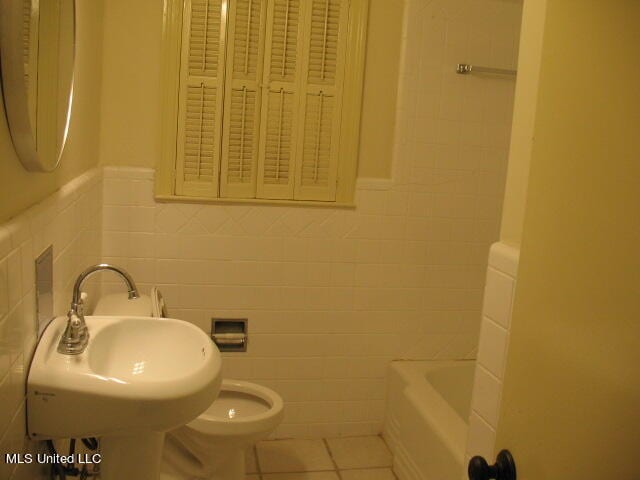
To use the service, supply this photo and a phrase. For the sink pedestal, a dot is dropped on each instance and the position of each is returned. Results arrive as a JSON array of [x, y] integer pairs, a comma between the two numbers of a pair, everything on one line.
[[131, 456]]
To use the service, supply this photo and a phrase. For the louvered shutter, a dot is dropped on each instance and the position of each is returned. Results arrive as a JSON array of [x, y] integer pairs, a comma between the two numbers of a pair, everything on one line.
[[200, 99], [280, 103], [242, 102], [321, 102]]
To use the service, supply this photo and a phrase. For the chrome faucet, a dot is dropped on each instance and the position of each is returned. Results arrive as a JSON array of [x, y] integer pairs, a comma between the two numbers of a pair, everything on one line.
[[76, 336]]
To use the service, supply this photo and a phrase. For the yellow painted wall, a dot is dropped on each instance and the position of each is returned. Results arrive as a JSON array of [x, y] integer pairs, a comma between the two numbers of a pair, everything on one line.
[[20, 189], [131, 123], [380, 88], [571, 399], [130, 129], [524, 115]]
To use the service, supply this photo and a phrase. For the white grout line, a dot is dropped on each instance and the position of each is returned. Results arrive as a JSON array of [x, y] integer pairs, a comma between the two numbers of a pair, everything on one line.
[[335, 469]]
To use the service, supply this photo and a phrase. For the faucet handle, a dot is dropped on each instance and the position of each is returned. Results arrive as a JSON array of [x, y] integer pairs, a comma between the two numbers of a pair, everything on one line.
[[75, 337], [78, 308], [75, 325]]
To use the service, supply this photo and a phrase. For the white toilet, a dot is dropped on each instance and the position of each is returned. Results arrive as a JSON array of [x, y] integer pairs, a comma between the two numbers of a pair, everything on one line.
[[211, 447]]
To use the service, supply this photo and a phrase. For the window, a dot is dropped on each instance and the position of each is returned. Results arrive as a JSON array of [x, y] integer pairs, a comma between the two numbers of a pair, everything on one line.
[[263, 99]]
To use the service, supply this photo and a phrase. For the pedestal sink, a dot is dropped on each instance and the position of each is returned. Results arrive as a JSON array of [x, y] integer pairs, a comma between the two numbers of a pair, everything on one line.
[[138, 378]]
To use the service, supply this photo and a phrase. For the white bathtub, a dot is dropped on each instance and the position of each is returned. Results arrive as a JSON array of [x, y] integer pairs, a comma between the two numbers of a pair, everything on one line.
[[427, 416]]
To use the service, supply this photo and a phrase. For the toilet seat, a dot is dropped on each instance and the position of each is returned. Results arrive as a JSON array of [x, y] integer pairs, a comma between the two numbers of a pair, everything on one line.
[[255, 408]]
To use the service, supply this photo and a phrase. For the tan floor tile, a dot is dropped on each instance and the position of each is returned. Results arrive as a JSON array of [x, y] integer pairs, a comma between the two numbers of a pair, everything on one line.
[[281, 456], [302, 476], [368, 474], [253, 477], [250, 464], [360, 452]]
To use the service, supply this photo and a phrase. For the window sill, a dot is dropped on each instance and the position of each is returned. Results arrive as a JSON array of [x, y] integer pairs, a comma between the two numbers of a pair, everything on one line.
[[254, 201]]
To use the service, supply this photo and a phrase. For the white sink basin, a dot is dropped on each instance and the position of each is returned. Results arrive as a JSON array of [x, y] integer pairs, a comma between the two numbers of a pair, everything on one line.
[[129, 351], [137, 375]]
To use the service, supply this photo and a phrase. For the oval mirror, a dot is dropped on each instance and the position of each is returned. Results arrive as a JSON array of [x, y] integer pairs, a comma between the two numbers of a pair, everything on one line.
[[37, 50]]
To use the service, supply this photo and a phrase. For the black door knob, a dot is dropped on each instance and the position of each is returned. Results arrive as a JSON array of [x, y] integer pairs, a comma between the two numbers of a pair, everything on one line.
[[503, 469]]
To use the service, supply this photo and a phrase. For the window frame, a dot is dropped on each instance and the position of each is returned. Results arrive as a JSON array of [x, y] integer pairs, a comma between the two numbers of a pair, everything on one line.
[[351, 109]]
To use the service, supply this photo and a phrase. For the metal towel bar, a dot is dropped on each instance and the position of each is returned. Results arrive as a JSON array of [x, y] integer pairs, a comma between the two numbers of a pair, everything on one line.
[[465, 69]]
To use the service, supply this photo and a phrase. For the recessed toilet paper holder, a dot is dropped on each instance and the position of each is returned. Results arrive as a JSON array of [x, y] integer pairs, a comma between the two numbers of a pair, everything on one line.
[[230, 334]]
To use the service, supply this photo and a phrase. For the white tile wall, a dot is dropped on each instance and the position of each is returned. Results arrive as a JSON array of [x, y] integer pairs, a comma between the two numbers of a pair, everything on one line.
[[71, 221], [499, 287], [453, 131], [333, 295], [494, 340]]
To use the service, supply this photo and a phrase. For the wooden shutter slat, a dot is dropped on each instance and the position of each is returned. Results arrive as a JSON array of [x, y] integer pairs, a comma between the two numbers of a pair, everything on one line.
[[200, 99], [243, 99], [282, 76], [320, 112]]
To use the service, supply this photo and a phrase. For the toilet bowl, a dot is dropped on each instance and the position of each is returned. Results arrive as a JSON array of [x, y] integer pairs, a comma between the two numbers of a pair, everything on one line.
[[212, 446]]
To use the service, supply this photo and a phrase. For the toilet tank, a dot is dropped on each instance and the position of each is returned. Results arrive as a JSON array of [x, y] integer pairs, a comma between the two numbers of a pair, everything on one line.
[[119, 304], [144, 306]]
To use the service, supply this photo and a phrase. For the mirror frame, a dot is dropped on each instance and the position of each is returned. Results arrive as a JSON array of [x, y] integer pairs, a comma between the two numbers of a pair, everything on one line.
[[14, 91]]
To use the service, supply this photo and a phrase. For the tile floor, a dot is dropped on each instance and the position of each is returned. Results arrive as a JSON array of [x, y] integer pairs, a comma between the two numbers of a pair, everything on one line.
[[354, 458]]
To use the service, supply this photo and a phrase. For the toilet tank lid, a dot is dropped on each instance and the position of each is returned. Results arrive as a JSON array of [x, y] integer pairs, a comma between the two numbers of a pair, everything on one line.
[[119, 304]]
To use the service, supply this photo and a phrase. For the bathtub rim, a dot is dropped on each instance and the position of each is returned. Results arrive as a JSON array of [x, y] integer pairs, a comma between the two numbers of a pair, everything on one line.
[[429, 403]]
